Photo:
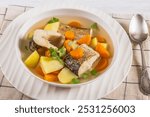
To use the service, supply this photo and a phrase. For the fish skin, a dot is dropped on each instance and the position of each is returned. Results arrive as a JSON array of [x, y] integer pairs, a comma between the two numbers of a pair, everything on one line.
[[79, 66], [79, 32]]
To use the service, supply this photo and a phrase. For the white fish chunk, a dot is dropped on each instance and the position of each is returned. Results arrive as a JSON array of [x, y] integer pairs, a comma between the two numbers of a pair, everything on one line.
[[89, 58], [42, 37], [80, 66]]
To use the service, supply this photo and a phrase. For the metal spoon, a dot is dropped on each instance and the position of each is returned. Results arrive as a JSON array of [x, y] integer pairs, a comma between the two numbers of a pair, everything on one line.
[[138, 31]]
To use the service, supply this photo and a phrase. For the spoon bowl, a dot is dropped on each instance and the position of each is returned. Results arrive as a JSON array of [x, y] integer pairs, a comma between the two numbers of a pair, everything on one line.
[[138, 29]]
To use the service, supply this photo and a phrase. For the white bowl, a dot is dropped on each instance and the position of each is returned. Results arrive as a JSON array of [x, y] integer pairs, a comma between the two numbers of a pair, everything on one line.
[[66, 15]]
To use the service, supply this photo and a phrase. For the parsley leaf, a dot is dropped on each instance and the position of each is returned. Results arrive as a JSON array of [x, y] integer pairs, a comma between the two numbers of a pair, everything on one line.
[[53, 20], [55, 55], [94, 72], [75, 81], [94, 26], [85, 75], [62, 51]]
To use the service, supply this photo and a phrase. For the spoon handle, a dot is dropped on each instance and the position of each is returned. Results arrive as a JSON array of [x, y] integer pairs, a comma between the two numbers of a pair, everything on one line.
[[143, 58]]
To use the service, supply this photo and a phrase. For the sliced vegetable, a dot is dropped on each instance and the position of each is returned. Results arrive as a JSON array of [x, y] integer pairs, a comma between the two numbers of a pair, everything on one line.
[[77, 53], [51, 77], [52, 26], [102, 51], [102, 64], [65, 76], [47, 53], [94, 26], [53, 20], [38, 70], [62, 51], [32, 60], [101, 39], [49, 65], [75, 81], [55, 55], [56, 72], [67, 45], [84, 40], [75, 24], [93, 42], [105, 45], [69, 35]]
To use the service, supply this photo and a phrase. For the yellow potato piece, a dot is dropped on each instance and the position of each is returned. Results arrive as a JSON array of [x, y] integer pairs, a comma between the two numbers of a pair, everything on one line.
[[94, 42], [32, 60], [65, 76], [52, 26], [49, 65], [105, 45]]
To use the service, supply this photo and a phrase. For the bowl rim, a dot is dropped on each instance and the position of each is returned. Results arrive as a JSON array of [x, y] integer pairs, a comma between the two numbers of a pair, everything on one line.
[[35, 18]]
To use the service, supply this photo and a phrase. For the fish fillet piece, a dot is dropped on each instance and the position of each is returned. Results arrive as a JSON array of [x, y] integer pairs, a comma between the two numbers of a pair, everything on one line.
[[80, 66], [79, 32], [42, 37]]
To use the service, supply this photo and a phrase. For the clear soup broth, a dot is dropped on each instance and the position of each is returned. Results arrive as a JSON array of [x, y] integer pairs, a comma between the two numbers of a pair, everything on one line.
[[66, 49]]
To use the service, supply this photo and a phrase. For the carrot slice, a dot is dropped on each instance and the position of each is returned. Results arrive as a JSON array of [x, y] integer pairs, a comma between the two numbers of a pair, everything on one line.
[[75, 24], [84, 40], [69, 35], [102, 64], [101, 39], [102, 51], [47, 53], [56, 72], [77, 53], [67, 46], [51, 77], [39, 71]]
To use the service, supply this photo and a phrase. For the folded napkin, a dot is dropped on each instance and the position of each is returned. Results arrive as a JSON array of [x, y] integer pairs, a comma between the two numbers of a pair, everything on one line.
[[127, 90]]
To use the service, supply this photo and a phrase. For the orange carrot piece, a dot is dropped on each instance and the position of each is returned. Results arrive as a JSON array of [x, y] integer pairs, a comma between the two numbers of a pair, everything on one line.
[[77, 53], [51, 77], [56, 72], [75, 24], [103, 63], [47, 53], [84, 40], [102, 51], [39, 71], [67, 46], [69, 35], [101, 39]]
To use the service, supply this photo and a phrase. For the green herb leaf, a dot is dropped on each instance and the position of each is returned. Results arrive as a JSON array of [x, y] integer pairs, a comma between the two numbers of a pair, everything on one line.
[[53, 20], [55, 55], [26, 48], [62, 51], [94, 72], [75, 81], [85, 75], [94, 26]]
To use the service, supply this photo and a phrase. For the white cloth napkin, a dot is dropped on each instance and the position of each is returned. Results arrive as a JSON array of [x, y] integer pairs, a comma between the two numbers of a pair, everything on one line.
[[110, 6]]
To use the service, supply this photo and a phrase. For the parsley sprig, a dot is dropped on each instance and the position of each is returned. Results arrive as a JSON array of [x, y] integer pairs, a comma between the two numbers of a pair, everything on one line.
[[53, 20]]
